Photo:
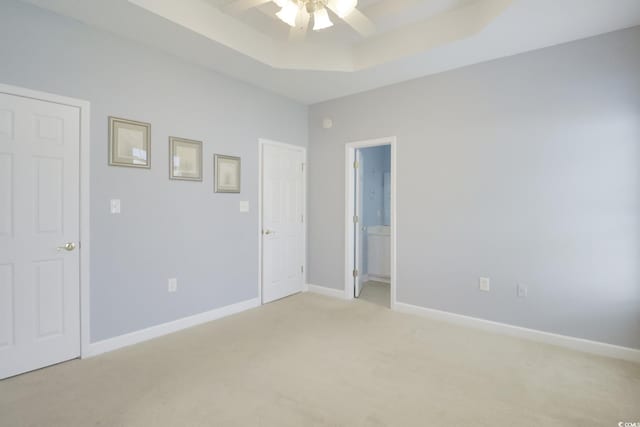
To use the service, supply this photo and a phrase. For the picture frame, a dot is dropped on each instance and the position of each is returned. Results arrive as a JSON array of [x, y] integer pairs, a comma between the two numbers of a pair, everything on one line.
[[227, 173], [185, 159], [129, 143]]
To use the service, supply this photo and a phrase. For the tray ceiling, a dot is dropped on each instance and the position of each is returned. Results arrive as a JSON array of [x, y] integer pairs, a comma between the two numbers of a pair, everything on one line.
[[400, 28], [412, 38]]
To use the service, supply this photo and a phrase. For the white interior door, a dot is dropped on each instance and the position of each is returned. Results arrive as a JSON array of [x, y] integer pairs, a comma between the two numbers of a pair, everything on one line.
[[282, 221], [39, 212], [358, 220]]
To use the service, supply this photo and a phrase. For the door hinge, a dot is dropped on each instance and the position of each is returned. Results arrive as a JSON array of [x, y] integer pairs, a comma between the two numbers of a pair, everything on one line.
[[302, 218], [355, 273], [356, 219], [356, 164], [302, 167], [302, 269]]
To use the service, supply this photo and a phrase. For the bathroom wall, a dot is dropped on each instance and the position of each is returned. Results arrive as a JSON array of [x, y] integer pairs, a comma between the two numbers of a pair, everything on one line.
[[375, 163]]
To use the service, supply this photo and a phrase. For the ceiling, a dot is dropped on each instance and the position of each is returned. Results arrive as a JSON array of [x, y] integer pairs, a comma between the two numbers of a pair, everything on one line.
[[387, 30], [407, 39]]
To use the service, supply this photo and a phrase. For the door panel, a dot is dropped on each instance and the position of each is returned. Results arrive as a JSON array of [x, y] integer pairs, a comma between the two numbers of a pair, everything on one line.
[[49, 285], [39, 212], [282, 222], [6, 306], [48, 195], [6, 194]]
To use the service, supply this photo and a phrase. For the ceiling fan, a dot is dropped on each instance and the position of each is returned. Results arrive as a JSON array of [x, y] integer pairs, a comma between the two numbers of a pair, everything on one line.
[[299, 13]]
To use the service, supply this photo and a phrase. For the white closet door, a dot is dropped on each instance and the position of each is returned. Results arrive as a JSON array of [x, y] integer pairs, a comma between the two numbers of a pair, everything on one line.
[[282, 222], [39, 212]]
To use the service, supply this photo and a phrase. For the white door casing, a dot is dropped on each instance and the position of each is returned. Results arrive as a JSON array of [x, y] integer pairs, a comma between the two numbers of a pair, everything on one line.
[[282, 220], [39, 212]]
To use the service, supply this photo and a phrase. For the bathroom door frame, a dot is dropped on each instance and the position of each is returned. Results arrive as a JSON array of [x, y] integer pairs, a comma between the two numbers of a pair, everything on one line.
[[351, 262]]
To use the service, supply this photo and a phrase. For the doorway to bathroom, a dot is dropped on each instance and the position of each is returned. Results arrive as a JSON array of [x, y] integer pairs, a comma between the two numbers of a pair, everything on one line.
[[370, 221]]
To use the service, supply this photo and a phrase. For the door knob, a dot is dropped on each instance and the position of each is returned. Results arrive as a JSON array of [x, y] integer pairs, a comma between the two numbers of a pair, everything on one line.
[[69, 246], [267, 232]]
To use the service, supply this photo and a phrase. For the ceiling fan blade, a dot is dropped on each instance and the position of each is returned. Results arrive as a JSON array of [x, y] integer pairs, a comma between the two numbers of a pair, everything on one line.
[[356, 20], [239, 6], [299, 32]]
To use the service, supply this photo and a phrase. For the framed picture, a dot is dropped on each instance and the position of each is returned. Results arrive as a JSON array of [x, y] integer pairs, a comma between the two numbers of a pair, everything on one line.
[[185, 159], [227, 173], [129, 143]]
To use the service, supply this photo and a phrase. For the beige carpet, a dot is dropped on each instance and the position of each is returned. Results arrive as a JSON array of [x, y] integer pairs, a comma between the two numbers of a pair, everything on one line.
[[377, 293], [311, 360]]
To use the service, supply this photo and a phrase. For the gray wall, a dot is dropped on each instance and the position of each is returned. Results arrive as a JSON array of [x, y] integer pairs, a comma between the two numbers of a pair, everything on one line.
[[167, 228], [524, 169]]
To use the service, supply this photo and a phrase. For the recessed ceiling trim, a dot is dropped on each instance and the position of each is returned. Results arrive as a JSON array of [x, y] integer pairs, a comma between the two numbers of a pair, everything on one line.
[[206, 20], [215, 24], [210, 22], [442, 29]]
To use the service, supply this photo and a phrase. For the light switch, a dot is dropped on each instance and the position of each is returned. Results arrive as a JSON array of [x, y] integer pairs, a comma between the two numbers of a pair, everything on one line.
[[485, 284], [115, 206], [244, 206]]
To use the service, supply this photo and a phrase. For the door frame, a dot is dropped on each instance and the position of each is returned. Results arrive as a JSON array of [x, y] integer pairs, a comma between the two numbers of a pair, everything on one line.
[[350, 155], [84, 244], [261, 143]]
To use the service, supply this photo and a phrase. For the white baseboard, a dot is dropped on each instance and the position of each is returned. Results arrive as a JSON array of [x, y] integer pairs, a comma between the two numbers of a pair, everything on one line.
[[579, 344], [329, 292], [377, 279], [136, 337]]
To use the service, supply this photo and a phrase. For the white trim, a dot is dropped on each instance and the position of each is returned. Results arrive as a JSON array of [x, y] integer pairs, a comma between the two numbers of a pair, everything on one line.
[[261, 143], [85, 164], [328, 292], [578, 344], [142, 335], [378, 279], [260, 221], [350, 149]]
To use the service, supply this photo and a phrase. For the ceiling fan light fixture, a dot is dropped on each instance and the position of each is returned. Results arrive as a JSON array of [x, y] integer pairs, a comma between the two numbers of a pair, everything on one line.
[[289, 13], [321, 19], [344, 7]]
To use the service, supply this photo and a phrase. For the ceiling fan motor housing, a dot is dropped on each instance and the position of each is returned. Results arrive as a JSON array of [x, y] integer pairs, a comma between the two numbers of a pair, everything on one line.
[[313, 5]]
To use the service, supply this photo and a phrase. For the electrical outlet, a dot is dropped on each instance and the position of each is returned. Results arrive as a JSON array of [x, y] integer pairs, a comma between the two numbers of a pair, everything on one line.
[[114, 206], [485, 284], [523, 291], [173, 285]]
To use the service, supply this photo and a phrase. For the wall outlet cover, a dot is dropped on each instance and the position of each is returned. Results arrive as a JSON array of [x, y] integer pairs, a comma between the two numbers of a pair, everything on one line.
[[173, 285], [114, 206], [523, 291], [485, 284]]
